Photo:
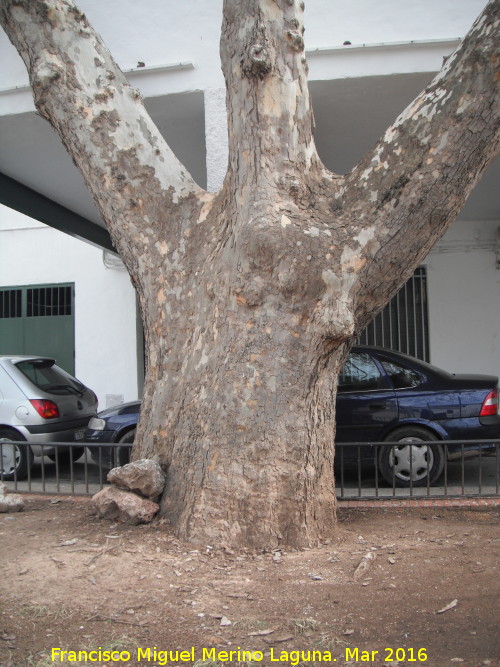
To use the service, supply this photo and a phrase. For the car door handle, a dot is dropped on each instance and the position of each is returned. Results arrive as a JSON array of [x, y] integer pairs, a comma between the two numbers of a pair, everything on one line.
[[377, 406]]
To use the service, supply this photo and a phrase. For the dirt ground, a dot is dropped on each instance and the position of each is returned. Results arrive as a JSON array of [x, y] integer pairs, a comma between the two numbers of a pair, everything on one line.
[[77, 583]]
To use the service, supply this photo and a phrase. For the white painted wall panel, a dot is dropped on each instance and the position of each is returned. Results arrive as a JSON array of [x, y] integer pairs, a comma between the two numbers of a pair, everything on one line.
[[464, 299], [105, 313]]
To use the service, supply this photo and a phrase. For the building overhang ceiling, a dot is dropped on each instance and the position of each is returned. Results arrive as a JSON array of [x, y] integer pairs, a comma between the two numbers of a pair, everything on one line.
[[350, 114]]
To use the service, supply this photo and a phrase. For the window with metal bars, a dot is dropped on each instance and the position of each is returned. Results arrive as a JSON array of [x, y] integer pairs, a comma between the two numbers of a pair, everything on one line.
[[49, 301], [403, 325], [11, 303]]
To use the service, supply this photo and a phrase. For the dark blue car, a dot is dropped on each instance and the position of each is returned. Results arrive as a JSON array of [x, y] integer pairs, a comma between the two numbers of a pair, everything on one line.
[[383, 396]]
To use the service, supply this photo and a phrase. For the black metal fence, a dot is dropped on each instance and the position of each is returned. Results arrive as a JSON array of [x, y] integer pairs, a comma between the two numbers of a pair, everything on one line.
[[362, 470], [370, 470], [57, 467]]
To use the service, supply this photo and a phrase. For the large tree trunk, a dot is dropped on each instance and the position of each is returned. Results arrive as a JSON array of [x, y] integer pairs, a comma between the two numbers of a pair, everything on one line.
[[251, 297], [240, 391], [239, 409]]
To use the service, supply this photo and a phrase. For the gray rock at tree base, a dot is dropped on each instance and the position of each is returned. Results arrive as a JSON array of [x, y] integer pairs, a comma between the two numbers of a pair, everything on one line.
[[124, 506], [10, 502], [143, 476]]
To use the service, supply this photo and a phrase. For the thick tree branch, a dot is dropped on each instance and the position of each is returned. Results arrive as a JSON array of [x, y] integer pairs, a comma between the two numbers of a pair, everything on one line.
[[269, 110], [409, 189], [81, 91]]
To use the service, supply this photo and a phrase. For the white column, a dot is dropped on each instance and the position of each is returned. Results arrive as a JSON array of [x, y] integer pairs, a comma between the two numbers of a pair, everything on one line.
[[216, 137]]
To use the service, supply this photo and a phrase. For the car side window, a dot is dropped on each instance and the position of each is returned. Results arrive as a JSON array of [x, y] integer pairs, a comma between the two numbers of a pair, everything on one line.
[[400, 376], [359, 373]]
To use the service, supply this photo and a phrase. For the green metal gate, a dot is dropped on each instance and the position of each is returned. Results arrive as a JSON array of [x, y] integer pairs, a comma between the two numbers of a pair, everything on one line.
[[39, 319]]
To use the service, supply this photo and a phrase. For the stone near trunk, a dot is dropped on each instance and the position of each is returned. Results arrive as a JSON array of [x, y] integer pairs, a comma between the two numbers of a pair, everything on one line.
[[364, 565], [10, 503], [124, 506], [143, 476]]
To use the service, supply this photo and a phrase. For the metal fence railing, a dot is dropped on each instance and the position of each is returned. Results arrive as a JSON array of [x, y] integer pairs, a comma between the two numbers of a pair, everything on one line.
[[58, 467], [362, 470], [429, 469]]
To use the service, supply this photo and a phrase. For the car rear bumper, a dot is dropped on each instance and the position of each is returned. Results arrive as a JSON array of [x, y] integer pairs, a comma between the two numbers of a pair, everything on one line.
[[56, 431], [50, 433], [491, 422]]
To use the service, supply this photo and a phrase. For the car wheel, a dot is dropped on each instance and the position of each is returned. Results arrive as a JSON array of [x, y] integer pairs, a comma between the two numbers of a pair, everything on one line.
[[414, 461], [16, 459], [67, 456], [122, 454]]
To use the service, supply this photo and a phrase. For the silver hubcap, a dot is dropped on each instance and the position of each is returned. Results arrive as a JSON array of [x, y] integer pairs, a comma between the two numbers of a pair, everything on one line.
[[411, 461], [11, 457]]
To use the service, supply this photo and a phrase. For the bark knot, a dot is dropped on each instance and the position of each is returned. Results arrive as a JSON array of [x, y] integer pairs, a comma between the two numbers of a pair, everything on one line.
[[257, 63], [46, 73], [295, 40]]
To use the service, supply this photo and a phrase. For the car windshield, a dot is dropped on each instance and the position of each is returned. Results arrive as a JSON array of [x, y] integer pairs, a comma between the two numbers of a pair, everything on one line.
[[47, 376]]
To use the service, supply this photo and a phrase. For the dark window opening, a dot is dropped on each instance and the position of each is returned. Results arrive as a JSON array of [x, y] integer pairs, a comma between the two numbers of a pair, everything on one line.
[[10, 303], [49, 301], [403, 325]]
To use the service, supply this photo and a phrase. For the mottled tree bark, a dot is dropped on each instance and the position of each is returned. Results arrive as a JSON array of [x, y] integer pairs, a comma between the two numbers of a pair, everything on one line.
[[251, 297]]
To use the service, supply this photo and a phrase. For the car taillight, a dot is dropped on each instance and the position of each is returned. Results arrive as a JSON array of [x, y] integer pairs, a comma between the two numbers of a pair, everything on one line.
[[46, 409], [490, 404]]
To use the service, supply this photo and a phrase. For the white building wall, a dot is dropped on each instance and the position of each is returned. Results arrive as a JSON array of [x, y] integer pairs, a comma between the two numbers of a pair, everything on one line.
[[330, 22], [161, 33], [464, 298], [105, 311]]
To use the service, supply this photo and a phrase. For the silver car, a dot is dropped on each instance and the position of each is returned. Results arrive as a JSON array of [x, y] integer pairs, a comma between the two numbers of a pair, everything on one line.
[[39, 403]]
